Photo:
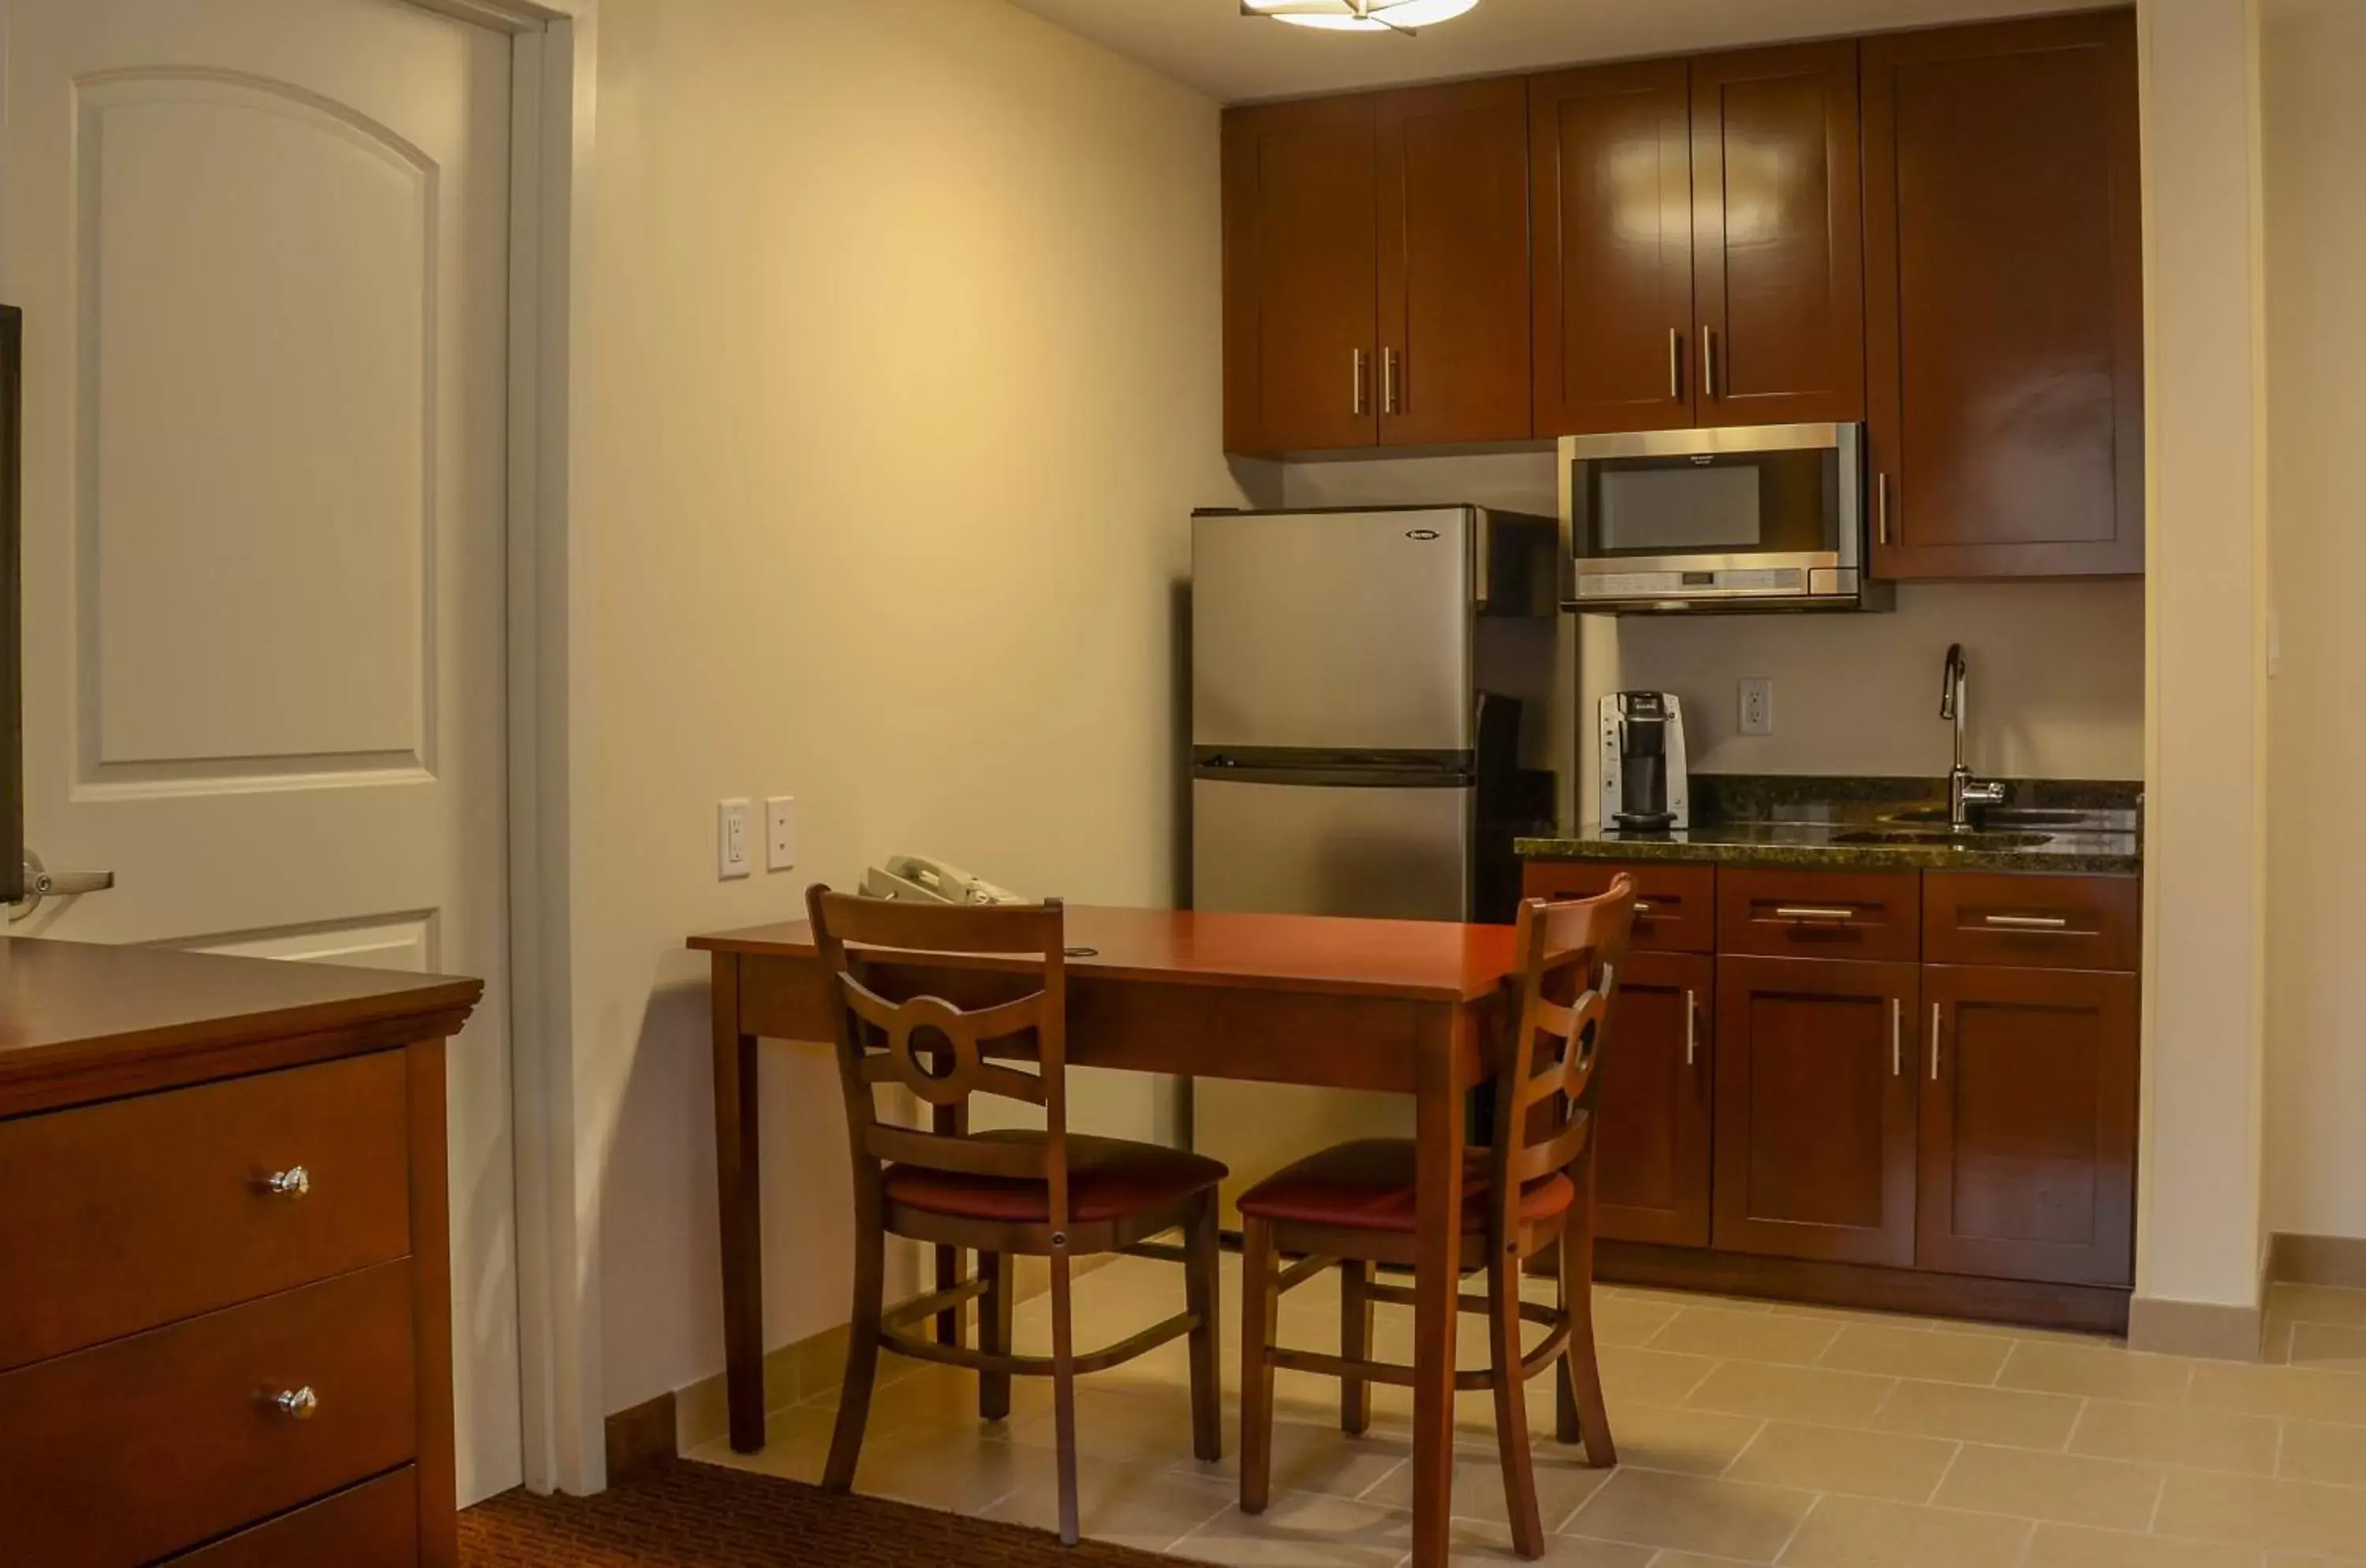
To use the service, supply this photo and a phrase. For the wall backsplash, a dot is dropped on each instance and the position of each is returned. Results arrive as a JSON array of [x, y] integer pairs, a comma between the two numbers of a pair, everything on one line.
[[2057, 668]]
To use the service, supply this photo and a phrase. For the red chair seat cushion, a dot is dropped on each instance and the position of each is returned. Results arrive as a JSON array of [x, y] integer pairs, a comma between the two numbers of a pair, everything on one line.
[[1369, 1185], [1108, 1178]]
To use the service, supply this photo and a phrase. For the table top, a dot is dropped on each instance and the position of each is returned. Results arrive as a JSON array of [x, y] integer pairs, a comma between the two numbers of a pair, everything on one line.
[[1417, 960]]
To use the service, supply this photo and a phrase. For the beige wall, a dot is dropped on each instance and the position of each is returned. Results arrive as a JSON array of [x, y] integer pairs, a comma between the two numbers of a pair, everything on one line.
[[2314, 124], [904, 376], [2199, 1231], [2058, 667]]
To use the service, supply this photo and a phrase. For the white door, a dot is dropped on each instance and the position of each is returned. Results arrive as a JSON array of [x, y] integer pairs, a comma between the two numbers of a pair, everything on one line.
[[261, 249]]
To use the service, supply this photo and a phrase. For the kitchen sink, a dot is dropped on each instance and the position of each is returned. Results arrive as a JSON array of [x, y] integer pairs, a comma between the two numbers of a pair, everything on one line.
[[1994, 819], [1910, 837]]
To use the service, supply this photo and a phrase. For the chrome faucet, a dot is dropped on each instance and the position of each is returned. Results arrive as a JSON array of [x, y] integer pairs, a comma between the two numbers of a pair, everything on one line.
[[1963, 792]]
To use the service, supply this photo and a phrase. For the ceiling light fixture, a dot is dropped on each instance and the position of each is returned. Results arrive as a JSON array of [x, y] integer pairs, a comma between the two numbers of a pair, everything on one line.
[[1358, 16]]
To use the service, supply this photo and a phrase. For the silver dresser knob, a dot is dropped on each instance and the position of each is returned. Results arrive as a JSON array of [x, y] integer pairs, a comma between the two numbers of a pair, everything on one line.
[[298, 1405], [293, 1182]]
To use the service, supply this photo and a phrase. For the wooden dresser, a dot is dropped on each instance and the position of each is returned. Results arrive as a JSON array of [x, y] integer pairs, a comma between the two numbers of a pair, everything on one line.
[[225, 1321]]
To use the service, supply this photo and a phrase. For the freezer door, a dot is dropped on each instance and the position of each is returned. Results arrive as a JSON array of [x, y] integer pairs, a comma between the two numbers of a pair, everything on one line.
[[1396, 853], [1333, 629]]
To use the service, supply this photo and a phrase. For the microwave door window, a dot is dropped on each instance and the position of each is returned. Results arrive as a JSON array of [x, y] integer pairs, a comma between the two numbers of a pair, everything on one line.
[[1670, 511], [1765, 502]]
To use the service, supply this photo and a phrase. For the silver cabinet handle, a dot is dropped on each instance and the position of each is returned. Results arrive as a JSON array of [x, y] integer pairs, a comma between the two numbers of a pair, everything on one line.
[[293, 1182], [1811, 912], [43, 883], [298, 1404], [1934, 1041], [2027, 922], [1897, 1038], [1358, 395], [1642, 905], [1675, 365], [1691, 1033], [1389, 400], [1881, 504], [1708, 362]]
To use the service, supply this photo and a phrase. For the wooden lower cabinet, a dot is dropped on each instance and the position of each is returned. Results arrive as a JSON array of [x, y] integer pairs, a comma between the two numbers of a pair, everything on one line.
[[1651, 1179], [2028, 1123], [1815, 1109]]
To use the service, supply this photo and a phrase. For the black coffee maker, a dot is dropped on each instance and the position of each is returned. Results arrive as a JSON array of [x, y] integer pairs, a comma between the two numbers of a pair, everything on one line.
[[1643, 782]]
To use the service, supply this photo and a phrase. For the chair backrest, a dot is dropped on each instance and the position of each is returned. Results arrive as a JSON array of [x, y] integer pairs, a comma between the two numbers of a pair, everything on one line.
[[1569, 959], [937, 1050]]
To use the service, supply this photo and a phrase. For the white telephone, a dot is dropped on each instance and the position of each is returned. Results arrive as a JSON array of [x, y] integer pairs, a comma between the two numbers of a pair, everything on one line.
[[921, 880]]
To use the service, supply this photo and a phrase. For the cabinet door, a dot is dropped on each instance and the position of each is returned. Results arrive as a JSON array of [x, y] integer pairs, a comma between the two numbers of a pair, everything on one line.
[[1453, 263], [2029, 1124], [1816, 1072], [1652, 1102], [1778, 254], [1302, 307], [2004, 299], [1611, 172]]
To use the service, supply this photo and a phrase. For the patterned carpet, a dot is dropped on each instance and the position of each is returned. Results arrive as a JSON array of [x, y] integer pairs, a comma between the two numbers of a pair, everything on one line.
[[677, 1513]]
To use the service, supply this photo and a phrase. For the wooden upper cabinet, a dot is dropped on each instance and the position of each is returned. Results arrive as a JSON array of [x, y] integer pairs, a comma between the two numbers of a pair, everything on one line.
[[1376, 270], [1611, 168], [1301, 285], [1453, 263], [1778, 219], [2029, 1124], [2004, 298]]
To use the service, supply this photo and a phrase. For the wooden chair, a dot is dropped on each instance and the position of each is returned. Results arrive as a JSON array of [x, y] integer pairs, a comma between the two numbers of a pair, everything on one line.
[[1354, 1204], [1051, 1195]]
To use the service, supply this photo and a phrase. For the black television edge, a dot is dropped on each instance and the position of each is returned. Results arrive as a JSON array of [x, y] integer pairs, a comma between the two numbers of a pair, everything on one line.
[[12, 674]]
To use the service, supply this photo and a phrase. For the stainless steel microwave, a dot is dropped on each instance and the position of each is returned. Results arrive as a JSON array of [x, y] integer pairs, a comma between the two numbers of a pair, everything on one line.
[[1765, 517]]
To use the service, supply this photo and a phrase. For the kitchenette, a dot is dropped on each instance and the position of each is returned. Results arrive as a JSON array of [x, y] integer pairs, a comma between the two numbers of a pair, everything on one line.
[[1727, 472]]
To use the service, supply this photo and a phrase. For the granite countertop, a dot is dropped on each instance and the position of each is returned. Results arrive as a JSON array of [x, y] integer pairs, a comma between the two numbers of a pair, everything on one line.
[[1798, 821]]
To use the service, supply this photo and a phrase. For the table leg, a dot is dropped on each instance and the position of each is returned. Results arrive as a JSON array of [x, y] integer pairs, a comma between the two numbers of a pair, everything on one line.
[[741, 1207], [1438, 1282]]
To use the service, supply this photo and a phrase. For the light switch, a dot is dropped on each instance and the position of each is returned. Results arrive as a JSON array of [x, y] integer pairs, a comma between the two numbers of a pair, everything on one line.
[[779, 832], [1757, 706], [734, 855]]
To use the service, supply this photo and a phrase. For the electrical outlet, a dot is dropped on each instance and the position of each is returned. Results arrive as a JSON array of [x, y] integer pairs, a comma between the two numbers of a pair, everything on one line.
[[1757, 706], [779, 832], [734, 856]]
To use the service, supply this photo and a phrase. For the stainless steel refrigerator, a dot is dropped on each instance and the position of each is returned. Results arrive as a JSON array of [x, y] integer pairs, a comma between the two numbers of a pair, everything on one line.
[[1369, 694]]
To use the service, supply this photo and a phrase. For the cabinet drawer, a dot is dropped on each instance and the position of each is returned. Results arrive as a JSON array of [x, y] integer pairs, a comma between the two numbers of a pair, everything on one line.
[[2033, 922], [1675, 906], [1819, 914], [125, 1216], [135, 1449], [374, 1524]]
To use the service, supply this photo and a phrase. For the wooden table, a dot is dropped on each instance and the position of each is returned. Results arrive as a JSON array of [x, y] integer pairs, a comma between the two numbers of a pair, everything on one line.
[[1409, 1007]]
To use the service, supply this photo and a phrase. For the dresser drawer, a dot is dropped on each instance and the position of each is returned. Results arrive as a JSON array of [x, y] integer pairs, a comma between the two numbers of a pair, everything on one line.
[[374, 1524], [129, 1216], [1820, 914], [130, 1452], [1675, 906], [2033, 922]]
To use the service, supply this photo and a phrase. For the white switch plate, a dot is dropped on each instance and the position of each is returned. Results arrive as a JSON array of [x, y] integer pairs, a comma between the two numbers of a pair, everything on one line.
[[734, 855], [1757, 706], [779, 832]]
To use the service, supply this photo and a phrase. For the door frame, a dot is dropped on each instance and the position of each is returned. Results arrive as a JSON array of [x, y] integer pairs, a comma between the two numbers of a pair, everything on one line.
[[553, 94]]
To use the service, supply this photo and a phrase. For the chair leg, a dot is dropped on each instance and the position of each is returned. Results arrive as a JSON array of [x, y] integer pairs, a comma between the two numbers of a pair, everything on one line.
[[1203, 1293], [1258, 1305], [1581, 1374], [994, 1334], [1355, 1343], [1512, 1405], [1063, 1393], [862, 1356]]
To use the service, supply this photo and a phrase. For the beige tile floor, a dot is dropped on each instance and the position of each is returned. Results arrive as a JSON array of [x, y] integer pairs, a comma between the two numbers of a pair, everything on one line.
[[1749, 1434]]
